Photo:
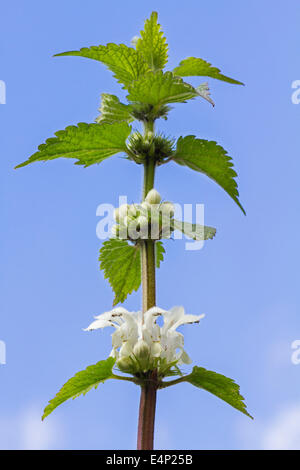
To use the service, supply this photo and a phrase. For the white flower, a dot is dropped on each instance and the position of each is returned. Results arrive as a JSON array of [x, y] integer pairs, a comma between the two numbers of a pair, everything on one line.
[[139, 340]]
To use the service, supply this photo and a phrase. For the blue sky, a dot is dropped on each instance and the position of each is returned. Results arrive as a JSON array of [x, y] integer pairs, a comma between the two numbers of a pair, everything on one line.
[[246, 280]]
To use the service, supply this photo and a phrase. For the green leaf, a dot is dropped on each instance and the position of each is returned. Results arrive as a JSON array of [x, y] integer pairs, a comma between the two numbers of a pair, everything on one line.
[[218, 385], [112, 110], [193, 66], [125, 62], [158, 88], [89, 143], [194, 231], [159, 253], [152, 45], [121, 263], [209, 158], [81, 383]]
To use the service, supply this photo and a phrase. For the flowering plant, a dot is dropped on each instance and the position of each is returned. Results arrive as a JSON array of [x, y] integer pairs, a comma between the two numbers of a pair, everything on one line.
[[144, 351]]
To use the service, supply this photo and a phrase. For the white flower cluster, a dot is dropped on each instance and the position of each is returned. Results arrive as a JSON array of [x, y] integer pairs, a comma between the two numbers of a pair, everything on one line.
[[148, 220], [140, 344]]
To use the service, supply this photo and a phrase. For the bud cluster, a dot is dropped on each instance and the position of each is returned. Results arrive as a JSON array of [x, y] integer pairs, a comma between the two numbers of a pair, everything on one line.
[[155, 146], [149, 220], [147, 112]]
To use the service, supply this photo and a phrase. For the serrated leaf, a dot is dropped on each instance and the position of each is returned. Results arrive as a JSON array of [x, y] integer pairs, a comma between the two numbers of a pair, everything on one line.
[[152, 44], [121, 263], [218, 385], [81, 383], [194, 231], [89, 143], [193, 66], [112, 110], [125, 62], [158, 88], [159, 253], [211, 159]]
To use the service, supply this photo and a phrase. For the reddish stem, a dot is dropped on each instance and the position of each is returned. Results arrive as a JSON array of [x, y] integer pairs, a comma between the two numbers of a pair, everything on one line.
[[147, 413]]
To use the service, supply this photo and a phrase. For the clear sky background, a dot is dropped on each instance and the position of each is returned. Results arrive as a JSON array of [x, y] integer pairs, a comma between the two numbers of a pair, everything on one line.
[[246, 280]]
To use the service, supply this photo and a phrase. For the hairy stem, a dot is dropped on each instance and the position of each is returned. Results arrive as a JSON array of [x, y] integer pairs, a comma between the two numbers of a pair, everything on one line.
[[149, 388]]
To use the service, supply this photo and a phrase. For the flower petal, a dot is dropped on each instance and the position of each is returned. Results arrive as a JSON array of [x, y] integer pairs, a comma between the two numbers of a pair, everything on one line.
[[187, 319], [101, 323], [114, 312]]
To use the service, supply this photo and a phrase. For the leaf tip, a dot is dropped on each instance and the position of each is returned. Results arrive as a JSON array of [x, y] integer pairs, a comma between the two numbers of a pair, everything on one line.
[[19, 166]]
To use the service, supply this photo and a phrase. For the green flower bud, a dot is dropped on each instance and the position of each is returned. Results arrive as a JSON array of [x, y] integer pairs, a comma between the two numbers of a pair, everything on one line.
[[115, 230], [141, 350], [128, 220], [167, 209], [123, 211], [142, 222], [156, 349], [146, 206], [123, 232], [125, 364], [153, 197], [117, 215], [132, 211]]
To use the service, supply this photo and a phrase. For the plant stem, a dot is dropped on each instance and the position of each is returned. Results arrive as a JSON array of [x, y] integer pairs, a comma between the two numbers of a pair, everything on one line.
[[147, 413], [149, 174], [148, 274], [149, 388]]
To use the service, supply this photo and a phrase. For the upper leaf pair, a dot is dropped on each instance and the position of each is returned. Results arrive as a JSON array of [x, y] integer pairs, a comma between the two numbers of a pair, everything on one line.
[[92, 143]]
